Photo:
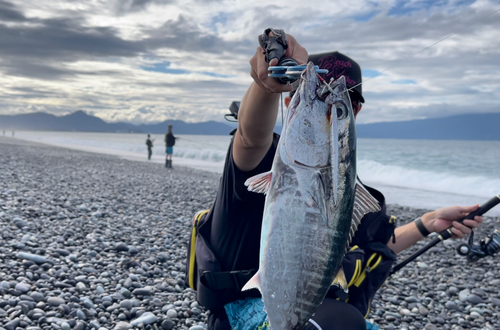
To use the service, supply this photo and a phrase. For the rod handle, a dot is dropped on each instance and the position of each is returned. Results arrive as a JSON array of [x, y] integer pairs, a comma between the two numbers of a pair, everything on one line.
[[447, 233]]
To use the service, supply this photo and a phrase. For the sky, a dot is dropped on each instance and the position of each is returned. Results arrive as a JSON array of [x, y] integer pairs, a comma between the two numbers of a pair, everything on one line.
[[146, 61]]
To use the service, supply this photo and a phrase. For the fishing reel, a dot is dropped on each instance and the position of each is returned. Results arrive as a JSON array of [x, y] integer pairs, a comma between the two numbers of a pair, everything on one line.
[[288, 70], [487, 247]]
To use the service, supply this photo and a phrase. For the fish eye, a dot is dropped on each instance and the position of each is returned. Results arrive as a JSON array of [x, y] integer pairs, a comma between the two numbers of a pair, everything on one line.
[[341, 111]]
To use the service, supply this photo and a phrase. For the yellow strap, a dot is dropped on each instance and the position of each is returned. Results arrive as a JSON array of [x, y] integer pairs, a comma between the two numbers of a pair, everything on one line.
[[392, 219], [192, 254], [357, 272], [369, 267]]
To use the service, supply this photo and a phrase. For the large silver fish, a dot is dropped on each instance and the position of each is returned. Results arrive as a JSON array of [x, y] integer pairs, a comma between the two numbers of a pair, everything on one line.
[[311, 192]]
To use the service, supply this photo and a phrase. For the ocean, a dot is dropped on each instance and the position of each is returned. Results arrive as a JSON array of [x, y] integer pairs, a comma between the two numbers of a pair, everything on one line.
[[417, 173]]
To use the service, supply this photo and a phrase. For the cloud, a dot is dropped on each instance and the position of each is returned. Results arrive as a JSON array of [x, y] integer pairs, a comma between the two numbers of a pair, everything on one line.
[[151, 60]]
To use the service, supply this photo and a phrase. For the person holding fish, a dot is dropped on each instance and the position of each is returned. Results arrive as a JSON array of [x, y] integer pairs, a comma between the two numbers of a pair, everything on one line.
[[289, 208]]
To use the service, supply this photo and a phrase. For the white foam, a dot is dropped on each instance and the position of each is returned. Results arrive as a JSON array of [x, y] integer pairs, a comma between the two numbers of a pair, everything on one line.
[[419, 173], [428, 189]]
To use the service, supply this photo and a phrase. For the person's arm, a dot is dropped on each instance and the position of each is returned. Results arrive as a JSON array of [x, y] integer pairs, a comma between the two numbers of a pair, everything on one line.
[[259, 108], [436, 221]]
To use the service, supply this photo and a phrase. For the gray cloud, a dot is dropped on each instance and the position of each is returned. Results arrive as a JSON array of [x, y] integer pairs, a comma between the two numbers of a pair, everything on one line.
[[9, 12], [45, 50]]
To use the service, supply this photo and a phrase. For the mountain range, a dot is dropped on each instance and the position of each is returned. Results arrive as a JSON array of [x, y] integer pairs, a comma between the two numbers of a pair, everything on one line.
[[79, 121], [460, 127]]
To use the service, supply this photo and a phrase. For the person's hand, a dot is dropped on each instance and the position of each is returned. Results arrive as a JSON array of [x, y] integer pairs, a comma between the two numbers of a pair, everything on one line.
[[442, 219], [259, 67]]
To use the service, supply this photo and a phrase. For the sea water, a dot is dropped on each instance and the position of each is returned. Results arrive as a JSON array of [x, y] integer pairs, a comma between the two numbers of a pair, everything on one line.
[[417, 173]]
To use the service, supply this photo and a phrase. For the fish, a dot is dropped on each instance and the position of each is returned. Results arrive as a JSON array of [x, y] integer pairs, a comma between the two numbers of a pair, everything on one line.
[[313, 203]]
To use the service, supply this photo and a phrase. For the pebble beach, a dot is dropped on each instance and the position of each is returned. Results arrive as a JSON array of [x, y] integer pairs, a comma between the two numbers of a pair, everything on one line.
[[89, 241]]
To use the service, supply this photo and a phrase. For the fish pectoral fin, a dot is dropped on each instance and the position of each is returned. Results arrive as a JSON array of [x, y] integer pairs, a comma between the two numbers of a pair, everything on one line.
[[340, 280], [260, 183], [253, 283], [364, 203]]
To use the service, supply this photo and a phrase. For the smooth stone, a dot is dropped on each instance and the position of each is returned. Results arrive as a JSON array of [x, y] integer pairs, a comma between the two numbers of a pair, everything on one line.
[[120, 247], [452, 306], [55, 301], [65, 326], [127, 304], [146, 318], [63, 252], [430, 326], [81, 315], [463, 295], [37, 296], [167, 325], [412, 299], [122, 326], [12, 324], [474, 299], [495, 301], [197, 327], [100, 289], [142, 292], [172, 313], [126, 293], [475, 315], [80, 286], [23, 287], [423, 311], [477, 310], [422, 265], [33, 257], [404, 312], [132, 251], [87, 302]]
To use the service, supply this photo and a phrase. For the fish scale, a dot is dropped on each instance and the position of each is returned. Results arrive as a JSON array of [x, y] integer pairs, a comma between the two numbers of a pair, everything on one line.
[[311, 192]]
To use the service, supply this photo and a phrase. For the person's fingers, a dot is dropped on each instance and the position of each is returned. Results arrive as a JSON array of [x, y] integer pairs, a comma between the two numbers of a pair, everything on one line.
[[463, 228], [471, 223], [296, 51], [457, 233]]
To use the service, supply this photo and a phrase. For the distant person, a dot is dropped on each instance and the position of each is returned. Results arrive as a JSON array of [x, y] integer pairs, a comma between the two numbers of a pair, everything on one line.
[[170, 142], [149, 143], [12, 133], [3, 132]]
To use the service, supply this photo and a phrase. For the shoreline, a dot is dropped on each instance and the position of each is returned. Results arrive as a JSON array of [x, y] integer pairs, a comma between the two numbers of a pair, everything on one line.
[[112, 234]]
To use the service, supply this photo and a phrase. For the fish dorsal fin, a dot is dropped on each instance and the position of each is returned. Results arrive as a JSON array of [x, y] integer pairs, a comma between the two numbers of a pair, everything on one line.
[[260, 183], [364, 203], [253, 283]]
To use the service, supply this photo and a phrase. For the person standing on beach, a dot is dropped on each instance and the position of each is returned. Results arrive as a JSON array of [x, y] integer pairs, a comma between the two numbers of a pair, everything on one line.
[[169, 142], [231, 229], [149, 143]]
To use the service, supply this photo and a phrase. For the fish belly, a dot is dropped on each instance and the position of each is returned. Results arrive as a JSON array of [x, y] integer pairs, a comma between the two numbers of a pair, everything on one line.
[[298, 265]]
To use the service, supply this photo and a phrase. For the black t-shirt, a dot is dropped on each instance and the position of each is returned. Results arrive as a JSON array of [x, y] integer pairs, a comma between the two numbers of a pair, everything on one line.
[[237, 215], [170, 139]]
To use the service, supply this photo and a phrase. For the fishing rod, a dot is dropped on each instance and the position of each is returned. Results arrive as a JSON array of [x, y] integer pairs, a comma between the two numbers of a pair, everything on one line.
[[488, 246]]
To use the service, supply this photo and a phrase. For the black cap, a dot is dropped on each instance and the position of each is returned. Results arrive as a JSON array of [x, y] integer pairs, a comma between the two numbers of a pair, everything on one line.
[[338, 65]]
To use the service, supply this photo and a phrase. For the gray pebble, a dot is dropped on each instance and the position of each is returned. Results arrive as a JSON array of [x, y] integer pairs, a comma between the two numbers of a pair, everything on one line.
[[55, 301]]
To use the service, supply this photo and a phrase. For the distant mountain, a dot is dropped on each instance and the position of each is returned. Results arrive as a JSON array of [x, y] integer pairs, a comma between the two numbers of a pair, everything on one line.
[[484, 126], [81, 122], [462, 127]]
